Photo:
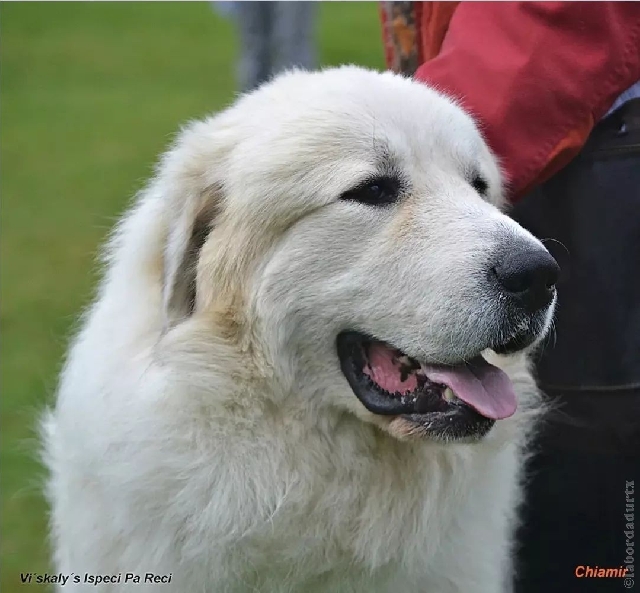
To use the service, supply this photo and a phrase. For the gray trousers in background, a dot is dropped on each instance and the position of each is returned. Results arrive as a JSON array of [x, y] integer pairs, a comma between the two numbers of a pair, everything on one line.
[[274, 36]]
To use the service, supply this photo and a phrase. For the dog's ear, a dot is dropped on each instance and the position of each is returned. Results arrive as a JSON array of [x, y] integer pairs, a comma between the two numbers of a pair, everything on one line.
[[186, 237], [193, 201]]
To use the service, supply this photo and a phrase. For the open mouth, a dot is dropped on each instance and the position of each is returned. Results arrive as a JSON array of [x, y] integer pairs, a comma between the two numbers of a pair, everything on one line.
[[457, 401]]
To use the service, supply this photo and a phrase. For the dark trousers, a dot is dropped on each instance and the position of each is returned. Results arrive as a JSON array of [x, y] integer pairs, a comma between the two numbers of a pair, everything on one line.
[[588, 449]]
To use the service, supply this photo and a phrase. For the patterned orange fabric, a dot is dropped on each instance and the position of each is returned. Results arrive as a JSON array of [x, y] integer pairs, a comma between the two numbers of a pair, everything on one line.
[[401, 35]]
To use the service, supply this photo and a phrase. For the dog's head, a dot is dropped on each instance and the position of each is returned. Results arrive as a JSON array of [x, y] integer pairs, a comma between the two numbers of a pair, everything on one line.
[[346, 225]]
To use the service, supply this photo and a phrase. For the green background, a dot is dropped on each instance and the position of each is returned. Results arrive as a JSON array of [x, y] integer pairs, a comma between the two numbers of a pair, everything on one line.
[[90, 94]]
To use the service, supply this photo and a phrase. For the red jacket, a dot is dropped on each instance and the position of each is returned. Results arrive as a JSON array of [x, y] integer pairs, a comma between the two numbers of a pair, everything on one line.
[[536, 75]]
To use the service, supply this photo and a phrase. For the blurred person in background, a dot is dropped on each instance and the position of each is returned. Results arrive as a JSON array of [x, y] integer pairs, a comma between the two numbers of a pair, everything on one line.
[[555, 88], [224, 7], [274, 36]]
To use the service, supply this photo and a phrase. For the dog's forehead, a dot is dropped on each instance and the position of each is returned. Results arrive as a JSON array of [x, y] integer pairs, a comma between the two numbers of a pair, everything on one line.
[[350, 111], [319, 133]]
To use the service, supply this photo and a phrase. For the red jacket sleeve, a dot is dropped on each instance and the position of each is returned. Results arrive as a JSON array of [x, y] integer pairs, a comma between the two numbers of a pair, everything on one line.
[[537, 75]]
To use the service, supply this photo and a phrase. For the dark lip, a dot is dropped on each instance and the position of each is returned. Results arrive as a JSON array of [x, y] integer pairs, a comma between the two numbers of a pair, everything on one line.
[[515, 344], [448, 420], [523, 339], [350, 356]]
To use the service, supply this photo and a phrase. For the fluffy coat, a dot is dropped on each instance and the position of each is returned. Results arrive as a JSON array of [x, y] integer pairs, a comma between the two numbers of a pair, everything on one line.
[[202, 426]]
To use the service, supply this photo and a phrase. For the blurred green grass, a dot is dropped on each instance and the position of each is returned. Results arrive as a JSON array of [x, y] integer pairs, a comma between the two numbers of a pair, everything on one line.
[[91, 93]]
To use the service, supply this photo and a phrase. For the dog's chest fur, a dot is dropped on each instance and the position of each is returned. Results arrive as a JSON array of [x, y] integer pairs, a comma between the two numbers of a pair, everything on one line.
[[285, 505]]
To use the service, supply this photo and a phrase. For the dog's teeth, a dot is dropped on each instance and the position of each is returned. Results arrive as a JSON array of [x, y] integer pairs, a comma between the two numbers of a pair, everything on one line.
[[448, 395]]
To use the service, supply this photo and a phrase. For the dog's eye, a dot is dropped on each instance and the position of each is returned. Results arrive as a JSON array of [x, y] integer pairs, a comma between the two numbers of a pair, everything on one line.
[[480, 185], [375, 192]]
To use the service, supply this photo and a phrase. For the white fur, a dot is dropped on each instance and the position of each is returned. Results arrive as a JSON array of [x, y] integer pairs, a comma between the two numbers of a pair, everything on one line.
[[225, 446]]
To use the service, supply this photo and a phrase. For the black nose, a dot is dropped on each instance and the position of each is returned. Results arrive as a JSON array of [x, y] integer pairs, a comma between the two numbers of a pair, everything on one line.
[[528, 275]]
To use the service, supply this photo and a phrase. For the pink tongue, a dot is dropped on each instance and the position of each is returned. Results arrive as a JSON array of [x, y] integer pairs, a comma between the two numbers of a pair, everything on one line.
[[486, 388]]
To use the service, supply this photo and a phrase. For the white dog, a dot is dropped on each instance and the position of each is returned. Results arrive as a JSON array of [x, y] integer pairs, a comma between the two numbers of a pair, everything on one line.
[[283, 385]]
